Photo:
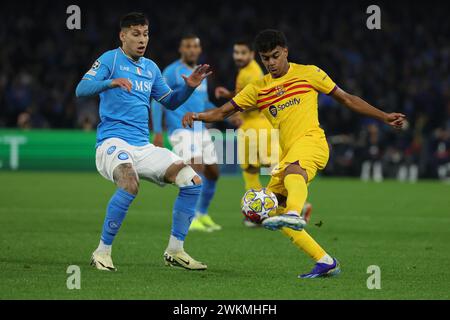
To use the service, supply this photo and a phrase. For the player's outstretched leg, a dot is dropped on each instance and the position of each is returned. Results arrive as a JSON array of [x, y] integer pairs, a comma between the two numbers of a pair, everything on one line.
[[325, 265], [183, 213], [128, 184], [295, 179]]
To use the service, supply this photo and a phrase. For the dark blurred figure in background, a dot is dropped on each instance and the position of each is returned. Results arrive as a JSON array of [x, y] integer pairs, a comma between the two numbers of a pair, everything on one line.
[[372, 150]]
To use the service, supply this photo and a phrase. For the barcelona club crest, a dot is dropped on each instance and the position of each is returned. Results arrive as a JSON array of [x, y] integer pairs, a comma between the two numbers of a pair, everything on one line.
[[279, 90]]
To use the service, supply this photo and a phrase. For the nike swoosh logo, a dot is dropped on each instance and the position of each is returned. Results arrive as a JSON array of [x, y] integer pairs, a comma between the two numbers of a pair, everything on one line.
[[186, 262], [109, 268]]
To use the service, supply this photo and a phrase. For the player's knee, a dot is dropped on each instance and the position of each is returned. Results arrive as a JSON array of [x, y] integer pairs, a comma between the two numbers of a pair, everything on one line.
[[126, 178], [295, 168], [186, 176], [132, 186]]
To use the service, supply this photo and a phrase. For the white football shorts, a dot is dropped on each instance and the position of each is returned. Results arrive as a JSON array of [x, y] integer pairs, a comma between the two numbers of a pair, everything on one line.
[[149, 161]]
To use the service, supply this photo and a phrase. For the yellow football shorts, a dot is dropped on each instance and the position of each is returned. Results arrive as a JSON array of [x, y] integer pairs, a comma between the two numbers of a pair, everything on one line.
[[255, 144], [310, 151]]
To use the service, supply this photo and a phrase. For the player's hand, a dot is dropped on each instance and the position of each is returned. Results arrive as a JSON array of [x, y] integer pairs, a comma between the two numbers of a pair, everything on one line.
[[123, 83], [158, 140], [222, 92], [396, 120], [188, 119], [195, 79], [236, 120]]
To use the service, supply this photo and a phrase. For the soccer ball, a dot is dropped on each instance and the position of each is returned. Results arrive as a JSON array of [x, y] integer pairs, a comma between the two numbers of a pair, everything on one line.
[[257, 205]]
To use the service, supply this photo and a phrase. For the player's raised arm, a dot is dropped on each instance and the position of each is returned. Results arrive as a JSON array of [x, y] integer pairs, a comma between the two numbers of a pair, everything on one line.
[[177, 97], [244, 100], [357, 104], [211, 115]]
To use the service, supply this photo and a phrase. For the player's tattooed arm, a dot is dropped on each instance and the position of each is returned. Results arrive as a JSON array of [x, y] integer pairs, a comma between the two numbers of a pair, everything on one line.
[[211, 115], [355, 103]]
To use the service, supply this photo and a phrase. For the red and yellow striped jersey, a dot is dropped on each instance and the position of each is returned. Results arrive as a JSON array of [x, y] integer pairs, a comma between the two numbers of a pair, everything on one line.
[[289, 102]]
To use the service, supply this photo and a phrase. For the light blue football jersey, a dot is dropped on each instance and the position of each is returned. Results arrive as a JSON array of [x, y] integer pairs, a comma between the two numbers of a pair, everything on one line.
[[124, 114]]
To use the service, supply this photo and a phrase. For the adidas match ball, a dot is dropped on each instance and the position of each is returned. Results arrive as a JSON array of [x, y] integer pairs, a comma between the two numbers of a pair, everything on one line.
[[257, 205]]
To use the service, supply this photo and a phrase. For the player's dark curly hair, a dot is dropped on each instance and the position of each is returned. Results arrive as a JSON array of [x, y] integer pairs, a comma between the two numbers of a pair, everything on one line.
[[133, 19], [269, 39]]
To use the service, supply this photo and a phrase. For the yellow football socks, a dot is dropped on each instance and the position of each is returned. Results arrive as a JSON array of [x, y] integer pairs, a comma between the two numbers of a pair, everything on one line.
[[251, 180], [297, 190], [305, 242]]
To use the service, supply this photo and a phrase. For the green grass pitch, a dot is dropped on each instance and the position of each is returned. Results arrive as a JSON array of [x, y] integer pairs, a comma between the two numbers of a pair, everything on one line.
[[52, 220]]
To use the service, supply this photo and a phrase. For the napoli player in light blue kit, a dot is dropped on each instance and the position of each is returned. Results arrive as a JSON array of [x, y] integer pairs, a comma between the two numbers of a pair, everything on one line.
[[193, 145], [126, 82]]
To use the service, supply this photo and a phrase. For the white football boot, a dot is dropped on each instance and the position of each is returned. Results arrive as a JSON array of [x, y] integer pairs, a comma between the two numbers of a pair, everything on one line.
[[290, 219], [102, 261], [181, 259], [250, 224]]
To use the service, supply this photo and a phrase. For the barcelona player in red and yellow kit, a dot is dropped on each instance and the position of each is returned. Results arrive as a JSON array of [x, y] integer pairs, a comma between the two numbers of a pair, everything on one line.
[[251, 123], [288, 97]]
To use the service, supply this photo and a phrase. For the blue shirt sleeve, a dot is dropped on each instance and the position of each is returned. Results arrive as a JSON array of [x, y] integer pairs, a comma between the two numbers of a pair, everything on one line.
[[170, 76], [97, 79], [102, 68], [161, 92], [88, 88], [160, 88]]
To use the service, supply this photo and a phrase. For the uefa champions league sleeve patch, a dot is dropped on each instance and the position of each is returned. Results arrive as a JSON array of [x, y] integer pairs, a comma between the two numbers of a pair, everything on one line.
[[111, 150], [123, 156], [96, 65]]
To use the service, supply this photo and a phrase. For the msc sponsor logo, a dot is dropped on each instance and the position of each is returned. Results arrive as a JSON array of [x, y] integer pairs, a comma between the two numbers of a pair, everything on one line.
[[142, 86]]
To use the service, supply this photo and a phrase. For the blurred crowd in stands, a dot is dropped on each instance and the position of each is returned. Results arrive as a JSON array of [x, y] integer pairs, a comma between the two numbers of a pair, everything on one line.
[[402, 67]]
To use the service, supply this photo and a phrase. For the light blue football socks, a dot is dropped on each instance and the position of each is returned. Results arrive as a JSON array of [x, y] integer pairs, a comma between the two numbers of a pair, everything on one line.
[[206, 195], [184, 210], [115, 213]]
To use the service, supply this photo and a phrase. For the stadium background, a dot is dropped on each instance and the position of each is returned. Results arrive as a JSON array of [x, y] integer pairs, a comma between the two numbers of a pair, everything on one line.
[[402, 67]]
